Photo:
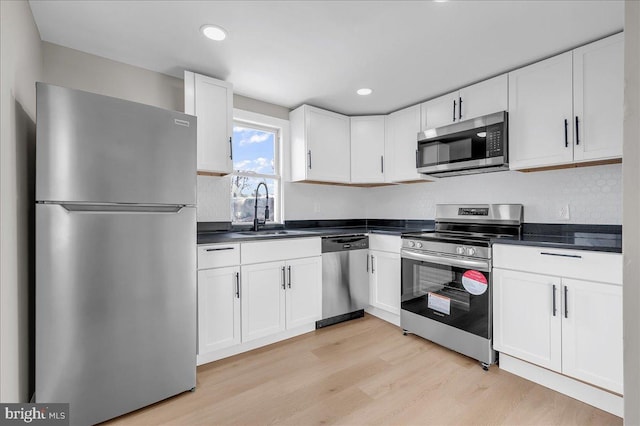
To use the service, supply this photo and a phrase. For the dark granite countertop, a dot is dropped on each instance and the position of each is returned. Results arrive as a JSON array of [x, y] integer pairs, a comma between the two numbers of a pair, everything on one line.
[[225, 233], [605, 238]]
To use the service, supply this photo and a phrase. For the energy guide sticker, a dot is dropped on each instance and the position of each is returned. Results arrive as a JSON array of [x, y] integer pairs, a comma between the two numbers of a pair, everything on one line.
[[474, 282], [439, 303]]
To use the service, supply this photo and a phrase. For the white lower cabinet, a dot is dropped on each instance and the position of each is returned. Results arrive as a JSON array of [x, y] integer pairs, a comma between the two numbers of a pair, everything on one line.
[[262, 300], [569, 322], [383, 265], [274, 293], [218, 308], [278, 296], [385, 280]]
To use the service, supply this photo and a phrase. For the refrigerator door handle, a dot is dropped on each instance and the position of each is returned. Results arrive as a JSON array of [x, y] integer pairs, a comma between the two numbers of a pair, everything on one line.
[[120, 208]]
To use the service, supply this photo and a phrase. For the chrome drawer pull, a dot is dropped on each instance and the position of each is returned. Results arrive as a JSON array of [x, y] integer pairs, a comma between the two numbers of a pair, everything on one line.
[[220, 249]]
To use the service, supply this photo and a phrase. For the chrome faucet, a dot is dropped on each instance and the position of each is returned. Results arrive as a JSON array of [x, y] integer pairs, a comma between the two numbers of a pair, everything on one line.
[[256, 222]]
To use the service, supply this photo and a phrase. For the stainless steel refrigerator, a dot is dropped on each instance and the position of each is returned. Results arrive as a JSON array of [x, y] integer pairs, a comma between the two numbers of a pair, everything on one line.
[[115, 253]]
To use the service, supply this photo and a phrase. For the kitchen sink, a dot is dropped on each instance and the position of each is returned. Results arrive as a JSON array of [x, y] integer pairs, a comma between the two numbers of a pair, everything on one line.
[[268, 233]]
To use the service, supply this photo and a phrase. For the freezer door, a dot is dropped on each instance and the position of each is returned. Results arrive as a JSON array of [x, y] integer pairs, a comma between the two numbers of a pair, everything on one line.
[[94, 148], [115, 308]]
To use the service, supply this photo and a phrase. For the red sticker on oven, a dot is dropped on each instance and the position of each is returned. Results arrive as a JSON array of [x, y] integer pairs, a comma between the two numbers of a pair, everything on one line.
[[474, 282]]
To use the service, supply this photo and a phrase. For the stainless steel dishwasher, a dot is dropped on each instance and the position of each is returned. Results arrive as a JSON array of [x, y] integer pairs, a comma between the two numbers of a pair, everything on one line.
[[345, 278]]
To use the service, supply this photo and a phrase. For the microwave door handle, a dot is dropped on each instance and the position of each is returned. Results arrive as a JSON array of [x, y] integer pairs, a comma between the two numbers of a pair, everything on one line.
[[443, 260]]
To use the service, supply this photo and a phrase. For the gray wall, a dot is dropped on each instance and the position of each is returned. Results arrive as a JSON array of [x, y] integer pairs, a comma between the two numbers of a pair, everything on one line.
[[21, 67], [631, 231]]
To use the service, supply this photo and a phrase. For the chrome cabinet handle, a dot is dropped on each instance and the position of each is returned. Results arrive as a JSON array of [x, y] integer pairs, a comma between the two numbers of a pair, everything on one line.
[[220, 248], [566, 133], [381, 164], [566, 303], [230, 149], [309, 154], [373, 271], [289, 269], [284, 280], [367, 263], [577, 134], [460, 108], [554, 300], [238, 285]]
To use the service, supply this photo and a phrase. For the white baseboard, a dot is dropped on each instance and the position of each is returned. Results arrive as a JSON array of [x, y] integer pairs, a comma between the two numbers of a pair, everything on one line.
[[385, 315], [591, 395], [253, 344]]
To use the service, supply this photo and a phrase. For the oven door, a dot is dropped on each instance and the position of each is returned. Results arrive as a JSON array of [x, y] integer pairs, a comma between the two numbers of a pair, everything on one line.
[[451, 290]]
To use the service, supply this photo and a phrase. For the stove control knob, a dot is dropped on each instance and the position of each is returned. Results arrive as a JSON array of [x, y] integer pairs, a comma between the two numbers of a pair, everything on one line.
[[419, 245], [412, 244], [460, 250], [471, 251]]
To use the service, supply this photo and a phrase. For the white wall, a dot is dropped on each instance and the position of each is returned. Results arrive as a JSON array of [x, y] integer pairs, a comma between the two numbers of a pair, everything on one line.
[[631, 230], [21, 66], [594, 195], [78, 70]]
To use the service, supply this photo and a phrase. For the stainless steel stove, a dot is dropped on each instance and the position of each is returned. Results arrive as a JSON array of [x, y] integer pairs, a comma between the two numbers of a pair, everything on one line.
[[446, 276]]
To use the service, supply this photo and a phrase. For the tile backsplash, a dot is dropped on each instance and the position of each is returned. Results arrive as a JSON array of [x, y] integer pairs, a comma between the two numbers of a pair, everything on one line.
[[593, 196]]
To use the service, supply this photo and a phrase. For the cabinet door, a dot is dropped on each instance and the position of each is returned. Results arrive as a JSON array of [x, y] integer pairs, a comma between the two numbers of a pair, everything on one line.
[[540, 114], [598, 85], [484, 98], [304, 291], [525, 324], [385, 281], [401, 142], [218, 309], [262, 299], [328, 144], [592, 333], [440, 111], [367, 149], [211, 101]]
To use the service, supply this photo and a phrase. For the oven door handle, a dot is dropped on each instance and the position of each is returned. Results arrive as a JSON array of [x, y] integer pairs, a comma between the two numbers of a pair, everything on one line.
[[445, 260]]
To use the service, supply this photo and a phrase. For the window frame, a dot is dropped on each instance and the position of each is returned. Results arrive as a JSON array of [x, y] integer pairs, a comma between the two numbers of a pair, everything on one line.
[[279, 127]]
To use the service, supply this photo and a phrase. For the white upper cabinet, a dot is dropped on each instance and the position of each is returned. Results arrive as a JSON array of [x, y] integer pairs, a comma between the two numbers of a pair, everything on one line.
[[568, 108], [401, 142], [211, 101], [598, 85], [480, 99], [367, 149], [540, 113], [320, 145]]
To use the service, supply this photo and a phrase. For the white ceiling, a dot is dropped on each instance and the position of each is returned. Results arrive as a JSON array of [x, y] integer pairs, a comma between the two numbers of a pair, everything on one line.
[[319, 52]]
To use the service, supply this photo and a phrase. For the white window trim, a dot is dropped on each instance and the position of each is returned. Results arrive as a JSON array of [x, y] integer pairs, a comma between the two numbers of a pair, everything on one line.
[[262, 120]]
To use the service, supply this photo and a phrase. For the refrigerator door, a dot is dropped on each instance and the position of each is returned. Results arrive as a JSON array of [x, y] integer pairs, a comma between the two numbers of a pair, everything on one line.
[[94, 148], [116, 307]]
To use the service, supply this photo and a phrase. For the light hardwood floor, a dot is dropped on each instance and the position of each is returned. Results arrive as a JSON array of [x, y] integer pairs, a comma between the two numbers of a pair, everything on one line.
[[362, 372]]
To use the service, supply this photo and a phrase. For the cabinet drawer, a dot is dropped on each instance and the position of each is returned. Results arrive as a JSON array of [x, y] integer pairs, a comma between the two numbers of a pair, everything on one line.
[[218, 255], [281, 249], [579, 264], [391, 243]]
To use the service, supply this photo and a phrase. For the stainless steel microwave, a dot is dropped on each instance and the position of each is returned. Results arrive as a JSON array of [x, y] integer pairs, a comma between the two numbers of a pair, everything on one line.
[[478, 145]]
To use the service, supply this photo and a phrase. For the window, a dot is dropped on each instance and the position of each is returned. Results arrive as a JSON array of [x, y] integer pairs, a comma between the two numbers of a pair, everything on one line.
[[256, 152]]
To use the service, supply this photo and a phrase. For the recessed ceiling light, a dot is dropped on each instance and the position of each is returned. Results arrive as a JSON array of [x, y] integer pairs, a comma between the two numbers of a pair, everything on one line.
[[214, 32], [364, 91]]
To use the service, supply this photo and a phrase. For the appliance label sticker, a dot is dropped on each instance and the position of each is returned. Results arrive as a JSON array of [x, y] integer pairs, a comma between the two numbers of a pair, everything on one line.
[[439, 303], [474, 282]]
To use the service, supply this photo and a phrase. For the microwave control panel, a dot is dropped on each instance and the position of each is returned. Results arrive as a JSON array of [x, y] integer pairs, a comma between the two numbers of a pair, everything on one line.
[[495, 141]]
